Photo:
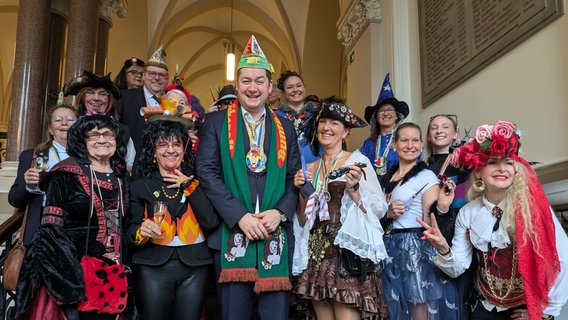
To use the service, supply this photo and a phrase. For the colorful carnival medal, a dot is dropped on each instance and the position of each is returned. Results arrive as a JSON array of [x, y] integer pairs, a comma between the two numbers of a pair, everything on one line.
[[256, 159]]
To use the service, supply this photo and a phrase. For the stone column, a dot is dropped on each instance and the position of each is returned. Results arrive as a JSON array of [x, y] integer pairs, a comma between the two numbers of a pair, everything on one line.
[[28, 84], [107, 9], [55, 60], [102, 46], [81, 37]]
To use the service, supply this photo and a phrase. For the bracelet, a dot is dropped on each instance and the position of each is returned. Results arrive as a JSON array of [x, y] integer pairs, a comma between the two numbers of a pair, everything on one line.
[[445, 253], [440, 211], [354, 188]]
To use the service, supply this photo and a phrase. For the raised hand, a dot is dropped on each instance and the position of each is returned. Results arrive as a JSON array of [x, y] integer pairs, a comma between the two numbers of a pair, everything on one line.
[[434, 235]]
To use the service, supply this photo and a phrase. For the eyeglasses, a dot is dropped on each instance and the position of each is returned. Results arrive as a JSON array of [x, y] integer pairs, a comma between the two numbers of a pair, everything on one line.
[[452, 117], [102, 93], [95, 135], [385, 110], [136, 73], [128, 63], [153, 74], [164, 145]]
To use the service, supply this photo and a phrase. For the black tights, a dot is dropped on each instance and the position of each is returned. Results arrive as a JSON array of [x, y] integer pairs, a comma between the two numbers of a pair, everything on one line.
[[170, 291]]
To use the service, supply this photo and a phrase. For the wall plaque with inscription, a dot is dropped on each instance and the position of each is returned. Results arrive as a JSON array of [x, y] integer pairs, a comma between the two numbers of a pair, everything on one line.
[[458, 38]]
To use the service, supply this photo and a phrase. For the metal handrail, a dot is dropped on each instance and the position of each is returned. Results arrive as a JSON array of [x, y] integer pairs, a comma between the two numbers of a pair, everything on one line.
[[8, 231]]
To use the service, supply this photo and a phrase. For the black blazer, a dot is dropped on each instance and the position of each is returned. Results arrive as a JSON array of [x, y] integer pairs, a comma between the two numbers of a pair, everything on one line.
[[154, 255], [210, 173], [20, 197], [128, 110]]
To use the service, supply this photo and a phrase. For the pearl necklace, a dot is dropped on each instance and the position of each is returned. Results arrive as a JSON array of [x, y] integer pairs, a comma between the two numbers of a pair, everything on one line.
[[167, 195]]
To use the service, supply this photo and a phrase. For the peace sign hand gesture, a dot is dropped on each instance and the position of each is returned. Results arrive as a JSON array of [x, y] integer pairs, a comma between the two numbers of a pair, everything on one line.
[[434, 235]]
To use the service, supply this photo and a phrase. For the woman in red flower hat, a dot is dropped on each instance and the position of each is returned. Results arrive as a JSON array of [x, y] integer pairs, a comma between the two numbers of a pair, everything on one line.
[[509, 228]]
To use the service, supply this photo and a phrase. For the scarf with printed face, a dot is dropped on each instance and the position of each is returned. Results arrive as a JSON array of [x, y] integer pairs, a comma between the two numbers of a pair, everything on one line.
[[264, 262]]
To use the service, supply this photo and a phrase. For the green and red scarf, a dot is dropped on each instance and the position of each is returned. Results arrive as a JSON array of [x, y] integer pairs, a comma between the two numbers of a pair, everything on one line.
[[256, 264]]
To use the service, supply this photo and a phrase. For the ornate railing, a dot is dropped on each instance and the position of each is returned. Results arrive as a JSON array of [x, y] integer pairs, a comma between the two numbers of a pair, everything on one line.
[[8, 232]]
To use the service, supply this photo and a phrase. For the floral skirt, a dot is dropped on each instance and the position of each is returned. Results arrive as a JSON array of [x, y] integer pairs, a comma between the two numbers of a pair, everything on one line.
[[321, 282], [410, 277]]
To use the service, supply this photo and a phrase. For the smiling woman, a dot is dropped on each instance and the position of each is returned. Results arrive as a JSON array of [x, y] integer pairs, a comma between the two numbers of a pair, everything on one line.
[[509, 228], [383, 117], [98, 94], [414, 287], [172, 263], [85, 191]]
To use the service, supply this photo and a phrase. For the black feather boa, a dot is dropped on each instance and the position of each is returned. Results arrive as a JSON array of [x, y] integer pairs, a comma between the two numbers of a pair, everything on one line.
[[390, 185]]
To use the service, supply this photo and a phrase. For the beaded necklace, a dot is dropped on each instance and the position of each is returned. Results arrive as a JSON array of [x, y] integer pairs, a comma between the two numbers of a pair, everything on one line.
[[167, 195]]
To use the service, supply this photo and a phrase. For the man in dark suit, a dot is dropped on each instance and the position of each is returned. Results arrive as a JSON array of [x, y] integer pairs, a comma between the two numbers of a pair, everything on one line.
[[246, 163], [128, 107]]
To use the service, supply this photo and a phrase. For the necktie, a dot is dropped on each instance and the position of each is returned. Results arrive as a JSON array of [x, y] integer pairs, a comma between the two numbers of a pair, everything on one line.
[[156, 98], [497, 213]]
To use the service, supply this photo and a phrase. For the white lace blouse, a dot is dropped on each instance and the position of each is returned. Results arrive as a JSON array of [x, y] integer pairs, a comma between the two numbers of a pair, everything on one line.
[[361, 233]]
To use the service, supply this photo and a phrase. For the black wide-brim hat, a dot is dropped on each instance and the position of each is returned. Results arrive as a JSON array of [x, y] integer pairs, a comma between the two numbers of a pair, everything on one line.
[[89, 79], [227, 93], [401, 108], [337, 110]]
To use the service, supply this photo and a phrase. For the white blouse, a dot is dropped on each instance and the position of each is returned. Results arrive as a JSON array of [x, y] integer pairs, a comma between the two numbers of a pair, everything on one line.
[[477, 218], [361, 233]]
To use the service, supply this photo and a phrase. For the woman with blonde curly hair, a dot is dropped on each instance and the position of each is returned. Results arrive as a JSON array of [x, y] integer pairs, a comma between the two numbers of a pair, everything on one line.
[[509, 228]]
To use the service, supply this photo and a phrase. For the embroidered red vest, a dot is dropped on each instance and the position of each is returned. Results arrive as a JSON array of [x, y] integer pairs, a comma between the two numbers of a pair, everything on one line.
[[498, 277]]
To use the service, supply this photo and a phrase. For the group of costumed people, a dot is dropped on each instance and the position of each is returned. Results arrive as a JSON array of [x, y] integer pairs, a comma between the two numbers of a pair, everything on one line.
[[88, 223], [278, 212]]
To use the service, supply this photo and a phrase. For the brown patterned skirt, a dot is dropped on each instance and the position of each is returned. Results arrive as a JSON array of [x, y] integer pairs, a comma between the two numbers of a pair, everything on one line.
[[321, 282]]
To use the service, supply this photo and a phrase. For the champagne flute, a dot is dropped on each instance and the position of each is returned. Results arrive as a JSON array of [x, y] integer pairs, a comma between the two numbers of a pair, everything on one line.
[[160, 210]]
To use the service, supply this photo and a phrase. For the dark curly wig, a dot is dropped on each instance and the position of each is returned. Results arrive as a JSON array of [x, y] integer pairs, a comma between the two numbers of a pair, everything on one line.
[[77, 146], [165, 129], [284, 76]]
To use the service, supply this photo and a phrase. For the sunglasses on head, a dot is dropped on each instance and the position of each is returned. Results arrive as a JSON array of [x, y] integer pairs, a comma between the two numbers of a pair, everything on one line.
[[134, 61], [453, 117]]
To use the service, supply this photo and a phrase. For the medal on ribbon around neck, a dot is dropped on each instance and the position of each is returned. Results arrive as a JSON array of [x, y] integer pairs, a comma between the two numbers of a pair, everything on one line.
[[256, 159], [380, 165]]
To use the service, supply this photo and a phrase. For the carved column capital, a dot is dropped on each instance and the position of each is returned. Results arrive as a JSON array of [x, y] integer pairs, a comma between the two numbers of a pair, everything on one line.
[[107, 8], [359, 15]]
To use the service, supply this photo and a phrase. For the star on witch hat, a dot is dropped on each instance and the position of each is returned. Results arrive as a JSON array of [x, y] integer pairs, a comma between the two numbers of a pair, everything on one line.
[[253, 57], [387, 97], [158, 59]]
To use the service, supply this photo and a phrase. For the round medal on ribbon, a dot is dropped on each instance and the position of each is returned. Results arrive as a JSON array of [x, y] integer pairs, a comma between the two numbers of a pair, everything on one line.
[[256, 161]]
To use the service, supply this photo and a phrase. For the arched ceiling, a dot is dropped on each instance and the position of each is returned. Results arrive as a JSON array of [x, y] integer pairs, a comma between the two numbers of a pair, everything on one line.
[[195, 34], [299, 35]]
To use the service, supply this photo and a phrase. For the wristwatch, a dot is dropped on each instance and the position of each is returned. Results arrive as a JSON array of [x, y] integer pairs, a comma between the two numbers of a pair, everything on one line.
[[354, 188], [283, 217], [547, 317]]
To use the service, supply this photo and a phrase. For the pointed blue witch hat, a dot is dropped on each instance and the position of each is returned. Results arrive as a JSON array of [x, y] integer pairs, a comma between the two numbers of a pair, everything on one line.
[[386, 96]]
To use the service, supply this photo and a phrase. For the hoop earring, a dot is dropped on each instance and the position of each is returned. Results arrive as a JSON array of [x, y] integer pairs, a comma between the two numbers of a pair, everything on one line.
[[478, 186]]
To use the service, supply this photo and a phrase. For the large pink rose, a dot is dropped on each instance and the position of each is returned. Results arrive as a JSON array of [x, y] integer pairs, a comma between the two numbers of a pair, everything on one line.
[[483, 133], [499, 147], [504, 128]]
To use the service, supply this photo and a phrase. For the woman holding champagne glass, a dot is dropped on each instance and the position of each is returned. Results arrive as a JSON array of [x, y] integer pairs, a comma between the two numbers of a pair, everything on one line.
[[169, 218]]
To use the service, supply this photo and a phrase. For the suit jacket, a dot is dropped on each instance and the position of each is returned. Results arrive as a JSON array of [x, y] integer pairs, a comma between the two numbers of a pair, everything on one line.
[[210, 174], [154, 255], [128, 109], [20, 197]]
